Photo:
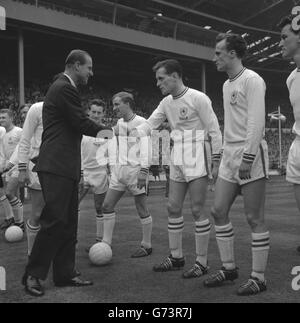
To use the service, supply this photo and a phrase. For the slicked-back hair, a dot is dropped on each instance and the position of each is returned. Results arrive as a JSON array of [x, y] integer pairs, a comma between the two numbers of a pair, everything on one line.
[[76, 55], [234, 42], [9, 112], [287, 20], [170, 66], [98, 103], [126, 97]]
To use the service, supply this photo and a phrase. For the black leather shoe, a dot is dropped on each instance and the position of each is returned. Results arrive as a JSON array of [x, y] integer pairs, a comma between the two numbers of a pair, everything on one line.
[[7, 223], [74, 282], [33, 286]]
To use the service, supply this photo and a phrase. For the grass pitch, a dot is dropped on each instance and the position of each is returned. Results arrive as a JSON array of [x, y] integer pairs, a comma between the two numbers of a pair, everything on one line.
[[128, 280]]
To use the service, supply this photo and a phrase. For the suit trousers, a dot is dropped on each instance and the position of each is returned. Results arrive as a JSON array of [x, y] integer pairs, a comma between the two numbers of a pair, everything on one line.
[[56, 241]]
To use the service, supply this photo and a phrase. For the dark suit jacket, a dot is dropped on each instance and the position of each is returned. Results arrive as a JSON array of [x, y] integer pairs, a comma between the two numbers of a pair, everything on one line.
[[64, 123]]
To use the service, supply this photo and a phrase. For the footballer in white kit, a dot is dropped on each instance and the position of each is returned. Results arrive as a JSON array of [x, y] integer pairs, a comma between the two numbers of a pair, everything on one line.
[[94, 171], [94, 175], [8, 144], [29, 145], [125, 172], [293, 164], [8, 212], [243, 166], [290, 47], [243, 140], [129, 172], [191, 118], [27, 154]]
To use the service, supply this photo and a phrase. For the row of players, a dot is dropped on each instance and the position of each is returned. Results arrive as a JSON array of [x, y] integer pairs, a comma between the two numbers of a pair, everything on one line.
[[9, 137], [242, 167]]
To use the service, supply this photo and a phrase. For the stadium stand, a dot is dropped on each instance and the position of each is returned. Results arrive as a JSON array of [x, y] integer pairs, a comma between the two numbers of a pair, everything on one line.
[[142, 19]]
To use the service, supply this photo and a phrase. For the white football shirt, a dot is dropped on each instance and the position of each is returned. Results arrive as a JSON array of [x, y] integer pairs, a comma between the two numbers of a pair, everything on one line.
[[244, 111], [293, 84], [191, 110]]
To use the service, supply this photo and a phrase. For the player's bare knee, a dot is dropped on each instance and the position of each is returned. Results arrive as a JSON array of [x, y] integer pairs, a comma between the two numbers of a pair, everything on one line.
[[9, 195], [107, 208], [139, 203], [99, 210], [36, 215], [198, 212], [98, 207], [142, 211], [254, 221], [35, 219], [217, 213], [140, 206], [174, 210]]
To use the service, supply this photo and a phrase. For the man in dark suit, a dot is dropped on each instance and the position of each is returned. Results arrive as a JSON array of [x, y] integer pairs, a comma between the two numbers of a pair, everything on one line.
[[58, 167]]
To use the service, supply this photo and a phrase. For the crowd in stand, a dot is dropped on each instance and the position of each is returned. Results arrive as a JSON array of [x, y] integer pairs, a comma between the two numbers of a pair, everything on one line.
[[146, 103], [272, 138], [9, 96]]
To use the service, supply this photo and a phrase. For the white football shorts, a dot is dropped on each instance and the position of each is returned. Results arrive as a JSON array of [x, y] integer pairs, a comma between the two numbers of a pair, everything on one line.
[[293, 163], [232, 158], [124, 178], [96, 179], [190, 161]]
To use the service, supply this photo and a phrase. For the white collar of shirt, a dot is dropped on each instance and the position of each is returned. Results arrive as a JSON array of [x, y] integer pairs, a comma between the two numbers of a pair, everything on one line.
[[72, 82]]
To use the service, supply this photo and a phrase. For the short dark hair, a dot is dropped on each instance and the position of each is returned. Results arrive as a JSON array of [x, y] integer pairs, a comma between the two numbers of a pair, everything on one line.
[[76, 55], [7, 111], [287, 20], [97, 102], [234, 42], [126, 97], [26, 105], [170, 65]]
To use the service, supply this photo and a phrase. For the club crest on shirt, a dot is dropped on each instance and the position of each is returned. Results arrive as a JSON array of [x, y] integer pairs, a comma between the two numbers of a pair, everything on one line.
[[234, 96], [10, 141], [183, 113]]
